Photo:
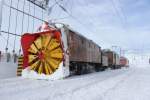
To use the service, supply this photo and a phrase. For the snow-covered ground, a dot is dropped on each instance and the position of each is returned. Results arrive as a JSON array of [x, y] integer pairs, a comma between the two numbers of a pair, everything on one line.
[[7, 70], [122, 84]]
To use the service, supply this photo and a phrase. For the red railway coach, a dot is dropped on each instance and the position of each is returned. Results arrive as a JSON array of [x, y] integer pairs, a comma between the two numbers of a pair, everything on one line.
[[113, 58], [84, 53], [124, 62]]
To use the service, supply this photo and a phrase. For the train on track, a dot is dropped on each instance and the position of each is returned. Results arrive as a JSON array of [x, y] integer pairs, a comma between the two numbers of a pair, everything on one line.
[[124, 62], [59, 52]]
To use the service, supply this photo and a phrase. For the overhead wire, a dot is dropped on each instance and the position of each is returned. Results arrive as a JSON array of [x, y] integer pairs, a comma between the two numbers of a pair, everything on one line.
[[28, 16], [65, 10], [77, 20], [74, 18], [22, 25], [6, 40], [65, 4], [71, 6], [39, 4], [11, 8], [23, 12], [8, 27], [91, 20], [124, 15], [117, 13], [42, 16], [33, 19], [61, 18], [85, 26], [49, 10], [16, 27], [11, 33]]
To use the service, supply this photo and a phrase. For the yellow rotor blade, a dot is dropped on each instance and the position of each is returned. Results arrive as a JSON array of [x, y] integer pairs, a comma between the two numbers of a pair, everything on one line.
[[56, 55], [45, 40], [53, 44], [38, 43], [47, 69], [33, 49], [53, 65], [57, 50], [40, 68], [34, 65], [31, 58]]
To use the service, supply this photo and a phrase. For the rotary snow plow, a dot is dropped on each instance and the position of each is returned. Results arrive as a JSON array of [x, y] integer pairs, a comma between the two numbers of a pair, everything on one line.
[[45, 54], [42, 52]]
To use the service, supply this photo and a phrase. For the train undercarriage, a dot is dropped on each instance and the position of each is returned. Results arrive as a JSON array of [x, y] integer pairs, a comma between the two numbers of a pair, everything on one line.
[[79, 68]]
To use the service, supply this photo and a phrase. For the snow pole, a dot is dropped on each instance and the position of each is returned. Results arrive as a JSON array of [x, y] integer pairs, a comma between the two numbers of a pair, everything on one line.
[[20, 64]]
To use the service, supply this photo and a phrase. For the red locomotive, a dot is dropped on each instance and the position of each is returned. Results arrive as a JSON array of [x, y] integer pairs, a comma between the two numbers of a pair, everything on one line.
[[124, 62]]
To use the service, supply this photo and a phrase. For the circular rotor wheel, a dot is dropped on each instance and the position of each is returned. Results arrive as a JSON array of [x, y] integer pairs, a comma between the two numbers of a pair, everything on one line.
[[45, 54]]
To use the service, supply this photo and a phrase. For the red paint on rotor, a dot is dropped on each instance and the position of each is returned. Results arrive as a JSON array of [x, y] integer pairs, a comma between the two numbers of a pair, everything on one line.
[[27, 39]]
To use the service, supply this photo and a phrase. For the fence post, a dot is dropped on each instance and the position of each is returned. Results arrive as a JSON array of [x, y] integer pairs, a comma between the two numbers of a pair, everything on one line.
[[0, 55], [1, 7]]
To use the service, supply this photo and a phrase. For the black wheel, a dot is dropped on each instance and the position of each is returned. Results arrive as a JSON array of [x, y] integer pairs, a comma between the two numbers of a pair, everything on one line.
[[97, 68], [102, 68], [79, 69]]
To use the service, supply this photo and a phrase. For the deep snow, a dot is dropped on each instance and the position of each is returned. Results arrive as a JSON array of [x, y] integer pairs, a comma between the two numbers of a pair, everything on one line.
[[122, 84], [7, 70]]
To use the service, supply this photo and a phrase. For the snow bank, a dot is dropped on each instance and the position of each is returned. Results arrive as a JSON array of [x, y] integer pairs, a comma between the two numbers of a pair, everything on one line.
[[58, 74], [84, 87], [7, 70], [138, 60]]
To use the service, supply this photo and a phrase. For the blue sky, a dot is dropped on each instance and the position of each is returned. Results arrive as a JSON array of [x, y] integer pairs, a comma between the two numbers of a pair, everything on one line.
[[123, 23], [113, 22]]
